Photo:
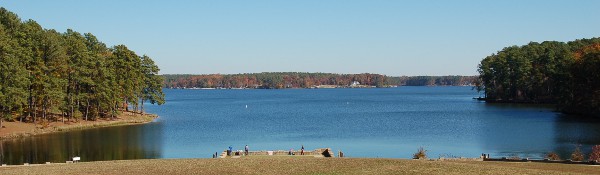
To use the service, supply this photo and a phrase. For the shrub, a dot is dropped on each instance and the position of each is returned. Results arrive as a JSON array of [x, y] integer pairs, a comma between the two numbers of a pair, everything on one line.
[[577, 155], [552, 156], [420, 154], [595, 155]]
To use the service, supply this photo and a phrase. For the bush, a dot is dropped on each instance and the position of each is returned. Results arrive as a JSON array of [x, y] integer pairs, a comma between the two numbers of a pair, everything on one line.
[[420, 154], [595, 155], [552, 156], [577, 155]]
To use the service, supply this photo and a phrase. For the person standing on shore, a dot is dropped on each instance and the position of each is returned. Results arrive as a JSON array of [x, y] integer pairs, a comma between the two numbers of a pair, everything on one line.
[[246, 150], [229, 150], [302, 150]]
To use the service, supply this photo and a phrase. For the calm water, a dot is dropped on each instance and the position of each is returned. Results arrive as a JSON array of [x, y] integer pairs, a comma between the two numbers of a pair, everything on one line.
[[390, 122]]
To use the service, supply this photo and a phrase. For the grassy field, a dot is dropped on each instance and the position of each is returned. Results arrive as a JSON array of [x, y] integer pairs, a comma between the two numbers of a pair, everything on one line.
[[299, 165]]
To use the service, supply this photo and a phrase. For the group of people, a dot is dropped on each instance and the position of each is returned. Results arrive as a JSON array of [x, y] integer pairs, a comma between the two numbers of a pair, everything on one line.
[[292, 151], [230, 151], [247, 149]]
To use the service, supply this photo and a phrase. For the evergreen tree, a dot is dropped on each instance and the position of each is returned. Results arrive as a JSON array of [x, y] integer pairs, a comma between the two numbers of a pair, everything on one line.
[[13, 78], [549, 72], [45, 73], [152, 90], [80, 74], [129, 78], [55, 70]]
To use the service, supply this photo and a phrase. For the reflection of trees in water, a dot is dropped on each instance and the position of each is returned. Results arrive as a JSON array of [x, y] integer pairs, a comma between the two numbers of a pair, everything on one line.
[[111, 143], [521, 130], [527, 130], [572, 130], [531, 131]]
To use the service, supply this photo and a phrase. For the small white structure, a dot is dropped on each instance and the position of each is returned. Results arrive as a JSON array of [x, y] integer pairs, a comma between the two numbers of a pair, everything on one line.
[[355, 83], [76, 159], [270, 153]]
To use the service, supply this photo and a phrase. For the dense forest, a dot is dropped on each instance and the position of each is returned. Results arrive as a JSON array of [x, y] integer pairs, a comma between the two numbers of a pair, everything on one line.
[[566, 74], [279, 80], [453, 80], [46, 75], [271, 80]]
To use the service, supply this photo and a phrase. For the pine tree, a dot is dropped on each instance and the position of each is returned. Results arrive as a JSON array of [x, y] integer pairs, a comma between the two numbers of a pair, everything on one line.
[[80, 72], [152, 90], [56, 69], [44, 73], [13, 78]]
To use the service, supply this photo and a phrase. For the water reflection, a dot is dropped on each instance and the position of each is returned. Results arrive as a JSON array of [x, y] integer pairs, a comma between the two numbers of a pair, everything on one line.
[[110, 143], [521, 130], [526, 130], [571, 131]]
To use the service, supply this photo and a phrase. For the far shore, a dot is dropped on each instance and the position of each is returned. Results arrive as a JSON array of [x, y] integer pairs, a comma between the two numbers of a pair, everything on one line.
[[13, 130]]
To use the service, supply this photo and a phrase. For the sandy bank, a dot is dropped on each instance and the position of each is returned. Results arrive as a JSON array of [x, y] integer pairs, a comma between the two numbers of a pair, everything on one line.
[[13, 130]]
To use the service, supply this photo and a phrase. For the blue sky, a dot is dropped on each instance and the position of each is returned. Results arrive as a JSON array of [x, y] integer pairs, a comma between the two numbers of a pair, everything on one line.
[[419, 37]]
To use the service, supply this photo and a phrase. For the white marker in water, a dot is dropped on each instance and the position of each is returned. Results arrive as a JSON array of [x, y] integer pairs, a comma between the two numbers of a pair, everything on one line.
[[246, 106]]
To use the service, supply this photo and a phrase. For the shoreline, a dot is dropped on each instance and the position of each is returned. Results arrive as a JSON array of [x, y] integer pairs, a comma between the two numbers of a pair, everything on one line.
[[17, 130]]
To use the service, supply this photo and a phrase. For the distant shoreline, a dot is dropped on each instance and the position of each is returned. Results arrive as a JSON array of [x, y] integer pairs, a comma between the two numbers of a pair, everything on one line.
[[286, 80], [324, 87], [16, 130]]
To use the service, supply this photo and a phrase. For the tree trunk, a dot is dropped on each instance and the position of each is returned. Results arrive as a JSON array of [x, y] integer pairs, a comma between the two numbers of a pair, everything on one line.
[[1, 152], [114, 110], [126, 105], [30, 96], [87, 109], [98, 108], [44, 109], [78, 101], [72, 111], [34, 111], [142, 107]]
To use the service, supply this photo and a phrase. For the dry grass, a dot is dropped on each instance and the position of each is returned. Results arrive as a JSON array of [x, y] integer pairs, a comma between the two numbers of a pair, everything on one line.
[[304, 165]]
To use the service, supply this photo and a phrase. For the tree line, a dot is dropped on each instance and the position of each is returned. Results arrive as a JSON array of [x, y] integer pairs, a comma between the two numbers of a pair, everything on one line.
[[271, 80], [279, 80], [451, 80], [45, 74], [562, 73]]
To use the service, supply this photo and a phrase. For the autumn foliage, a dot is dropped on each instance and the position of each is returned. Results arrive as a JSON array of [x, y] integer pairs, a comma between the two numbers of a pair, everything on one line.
[[595, 155], [552, 156], [279, 80]]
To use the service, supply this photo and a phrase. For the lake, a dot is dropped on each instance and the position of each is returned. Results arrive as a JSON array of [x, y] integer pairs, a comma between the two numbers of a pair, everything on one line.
[[378, 122]]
